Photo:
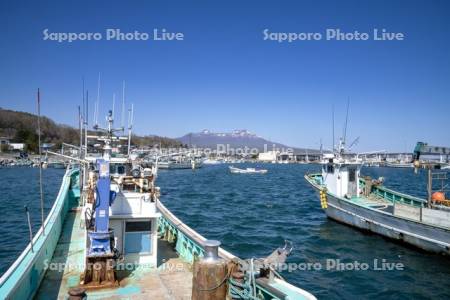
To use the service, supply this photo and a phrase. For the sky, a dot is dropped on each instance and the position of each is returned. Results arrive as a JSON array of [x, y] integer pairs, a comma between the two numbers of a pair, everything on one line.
[[223, 75]]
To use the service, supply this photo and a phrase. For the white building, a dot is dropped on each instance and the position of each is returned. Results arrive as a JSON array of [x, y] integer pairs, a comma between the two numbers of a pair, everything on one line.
[[17, 146], [268, 156]]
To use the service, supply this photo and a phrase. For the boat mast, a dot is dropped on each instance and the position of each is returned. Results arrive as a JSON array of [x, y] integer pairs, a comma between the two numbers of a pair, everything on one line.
[[97, 104], [122, 117], [332, 121], [130, 126], [80, 122], [86, 124]]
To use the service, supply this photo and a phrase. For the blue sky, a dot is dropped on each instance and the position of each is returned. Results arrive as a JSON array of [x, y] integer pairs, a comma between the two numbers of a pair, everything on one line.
[[224, 76]]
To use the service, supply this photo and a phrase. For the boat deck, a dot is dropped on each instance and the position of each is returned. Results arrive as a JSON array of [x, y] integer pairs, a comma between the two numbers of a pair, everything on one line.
[[374, 202], [171, 280]]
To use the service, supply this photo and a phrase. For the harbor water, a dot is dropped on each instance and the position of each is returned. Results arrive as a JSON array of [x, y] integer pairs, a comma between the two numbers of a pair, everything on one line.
[[252, 214]]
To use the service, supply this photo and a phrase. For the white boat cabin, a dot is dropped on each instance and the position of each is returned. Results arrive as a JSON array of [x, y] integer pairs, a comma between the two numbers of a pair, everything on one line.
[[132, 214], [340, 176]]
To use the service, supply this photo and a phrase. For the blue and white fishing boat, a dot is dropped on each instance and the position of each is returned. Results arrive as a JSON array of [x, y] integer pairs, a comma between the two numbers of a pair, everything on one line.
[[108, 236], [365, 203]]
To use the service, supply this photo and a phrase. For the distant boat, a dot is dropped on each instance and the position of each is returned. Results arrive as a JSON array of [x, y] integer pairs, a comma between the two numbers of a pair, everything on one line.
[[399, 165], [174, 164], [247, 170], [210, 161]]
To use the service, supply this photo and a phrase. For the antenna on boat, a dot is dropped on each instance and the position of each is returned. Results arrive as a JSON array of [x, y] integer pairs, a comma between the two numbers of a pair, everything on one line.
[[80, 122], [83, 110], [346, 122], [29, 227], [97, 104], [113, 104], [321, 147], [86, 124], [332, 117], [122, 117], [130, 126], [40, 160]]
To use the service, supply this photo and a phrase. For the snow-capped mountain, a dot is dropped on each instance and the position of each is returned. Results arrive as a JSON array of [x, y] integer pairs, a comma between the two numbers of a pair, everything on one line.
[[236, 138]]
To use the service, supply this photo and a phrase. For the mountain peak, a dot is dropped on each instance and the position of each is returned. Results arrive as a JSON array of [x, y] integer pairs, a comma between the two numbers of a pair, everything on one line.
[[234, 133]]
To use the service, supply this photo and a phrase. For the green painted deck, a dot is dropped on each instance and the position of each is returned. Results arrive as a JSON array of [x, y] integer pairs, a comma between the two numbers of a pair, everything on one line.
[[171, 280]]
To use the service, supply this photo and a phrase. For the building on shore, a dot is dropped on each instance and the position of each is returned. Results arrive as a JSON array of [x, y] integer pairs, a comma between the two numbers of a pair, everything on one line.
[[268, 156]]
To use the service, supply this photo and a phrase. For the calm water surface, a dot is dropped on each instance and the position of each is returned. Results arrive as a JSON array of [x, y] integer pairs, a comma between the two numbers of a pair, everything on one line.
[[254, 214]]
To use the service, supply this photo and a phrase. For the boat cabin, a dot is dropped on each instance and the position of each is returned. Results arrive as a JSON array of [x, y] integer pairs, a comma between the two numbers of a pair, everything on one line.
[[341, 177], [132, 213]]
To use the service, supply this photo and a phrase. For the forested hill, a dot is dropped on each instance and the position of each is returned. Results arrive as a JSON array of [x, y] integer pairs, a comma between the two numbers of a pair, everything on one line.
[[21, 127]]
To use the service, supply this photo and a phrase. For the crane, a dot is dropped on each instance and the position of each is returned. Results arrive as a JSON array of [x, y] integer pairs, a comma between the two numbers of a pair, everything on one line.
[[425, 149]]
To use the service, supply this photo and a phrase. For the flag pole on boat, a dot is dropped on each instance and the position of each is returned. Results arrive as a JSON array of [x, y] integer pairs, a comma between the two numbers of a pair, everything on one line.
[[29, 227], [40, 161]]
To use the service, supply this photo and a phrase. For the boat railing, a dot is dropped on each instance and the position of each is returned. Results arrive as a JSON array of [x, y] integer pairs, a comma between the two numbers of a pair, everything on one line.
[[189, 245], [23, 277], [393, 196]]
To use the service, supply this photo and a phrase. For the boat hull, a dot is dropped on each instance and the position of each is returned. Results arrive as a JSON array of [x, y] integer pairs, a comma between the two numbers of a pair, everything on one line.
[[430, 238]]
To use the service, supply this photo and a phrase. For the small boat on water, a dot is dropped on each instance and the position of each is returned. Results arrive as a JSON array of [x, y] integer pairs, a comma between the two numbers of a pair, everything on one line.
[[212, 161], [365, 203], [247, 170], [176, 162]]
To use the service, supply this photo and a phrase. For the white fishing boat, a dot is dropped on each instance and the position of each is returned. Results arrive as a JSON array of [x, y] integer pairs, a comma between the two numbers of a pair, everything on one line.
[[235, 170], [365, 203], [211, 161]]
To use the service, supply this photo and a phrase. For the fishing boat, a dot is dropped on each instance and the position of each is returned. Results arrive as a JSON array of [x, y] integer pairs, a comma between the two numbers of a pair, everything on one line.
[[108, 236], [179, 162], [399, 164], [247, 170], [367, 204], [212, 161]]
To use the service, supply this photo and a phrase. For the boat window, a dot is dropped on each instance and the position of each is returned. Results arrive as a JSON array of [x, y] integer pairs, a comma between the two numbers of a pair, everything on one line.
[[330, 169], [352, 175], [138, 226], [116, 169], [121, 169], [138, 237]]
